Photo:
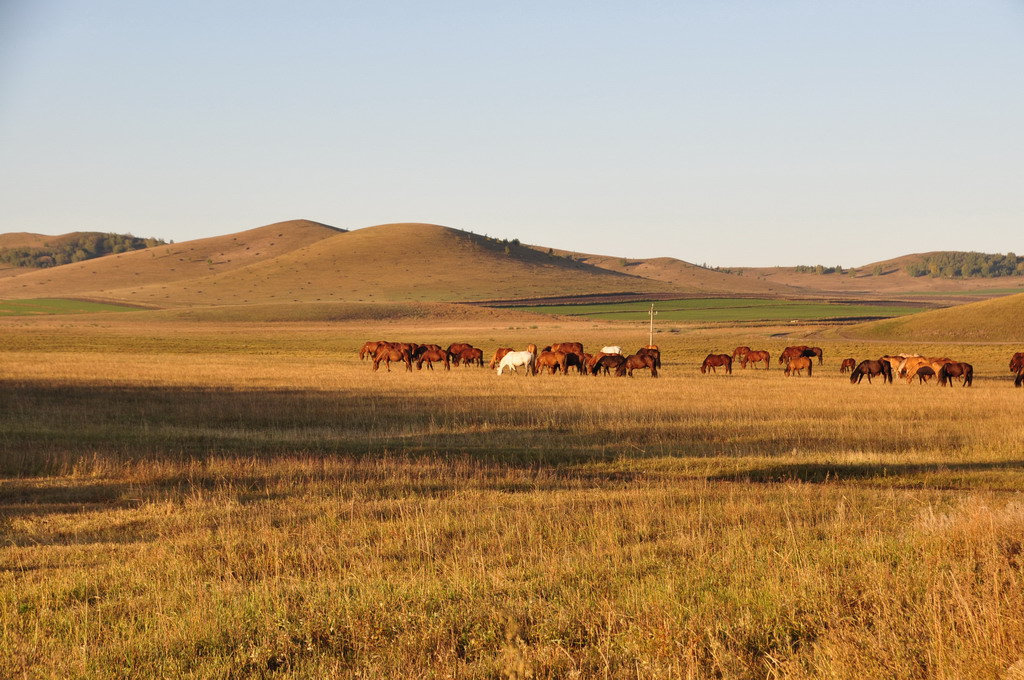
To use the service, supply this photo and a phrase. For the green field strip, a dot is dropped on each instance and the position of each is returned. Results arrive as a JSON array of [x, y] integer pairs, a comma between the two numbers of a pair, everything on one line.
[[726, 309], [49, 306]]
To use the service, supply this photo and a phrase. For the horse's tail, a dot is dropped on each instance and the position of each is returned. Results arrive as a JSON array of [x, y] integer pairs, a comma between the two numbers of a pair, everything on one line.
[[810, 367], [728, 364], [969, 376]]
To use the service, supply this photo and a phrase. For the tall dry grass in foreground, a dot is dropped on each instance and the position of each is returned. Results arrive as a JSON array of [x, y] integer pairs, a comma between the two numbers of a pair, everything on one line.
[[289, 514]]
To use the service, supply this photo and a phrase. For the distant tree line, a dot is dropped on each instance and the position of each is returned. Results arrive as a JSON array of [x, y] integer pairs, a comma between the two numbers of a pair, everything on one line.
[[83, 247], [955, 265], [819, 269]]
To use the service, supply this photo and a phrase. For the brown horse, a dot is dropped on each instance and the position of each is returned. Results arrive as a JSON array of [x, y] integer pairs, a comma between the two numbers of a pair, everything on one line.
[[1017, 362], [796, 366], [712, 361], [455, 348], [430, 356], [848, 365], [498, 354], [389, 353], [576, 359], [469, 356], [740, 352], [923, 373], [635, 361], [792, 352], [756, 356], [651, 351], [956, 369], [871, 368], [568, 347], [549, 361], [606, 362], [370, 348], [420, 349], [913, 365]]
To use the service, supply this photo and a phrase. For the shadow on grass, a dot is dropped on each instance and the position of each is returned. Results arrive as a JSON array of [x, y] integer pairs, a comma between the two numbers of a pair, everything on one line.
[[900, 474]]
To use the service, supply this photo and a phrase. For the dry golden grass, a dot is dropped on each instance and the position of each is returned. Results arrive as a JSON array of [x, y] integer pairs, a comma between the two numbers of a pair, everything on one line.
[[250, 500], [998, 320]]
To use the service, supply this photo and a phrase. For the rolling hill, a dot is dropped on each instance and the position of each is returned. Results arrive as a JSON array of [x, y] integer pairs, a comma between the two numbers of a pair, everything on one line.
[[115, 277], [395, 262], [685, 277], [884, 278], [995, 320]]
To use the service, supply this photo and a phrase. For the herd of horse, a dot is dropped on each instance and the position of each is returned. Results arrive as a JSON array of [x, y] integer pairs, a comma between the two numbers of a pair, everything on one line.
[[910, 366], [561, 357], [557, 357]]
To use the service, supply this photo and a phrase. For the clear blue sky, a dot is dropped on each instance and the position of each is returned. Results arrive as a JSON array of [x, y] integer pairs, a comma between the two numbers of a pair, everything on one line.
[[727, 132]]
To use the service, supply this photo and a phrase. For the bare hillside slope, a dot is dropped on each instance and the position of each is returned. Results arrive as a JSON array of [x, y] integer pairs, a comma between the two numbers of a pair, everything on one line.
[[115, 277]]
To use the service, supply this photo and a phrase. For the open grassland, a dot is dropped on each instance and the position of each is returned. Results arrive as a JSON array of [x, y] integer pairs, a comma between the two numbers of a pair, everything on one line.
[[246, 500], [726, 309]]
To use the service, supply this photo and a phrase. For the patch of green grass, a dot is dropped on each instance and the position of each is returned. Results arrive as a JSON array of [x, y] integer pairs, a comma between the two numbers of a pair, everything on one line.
[[726, 309], [57, 306]]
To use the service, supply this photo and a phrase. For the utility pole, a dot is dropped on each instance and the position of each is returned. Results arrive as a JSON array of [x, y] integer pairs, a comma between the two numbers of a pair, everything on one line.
[[652, 313]]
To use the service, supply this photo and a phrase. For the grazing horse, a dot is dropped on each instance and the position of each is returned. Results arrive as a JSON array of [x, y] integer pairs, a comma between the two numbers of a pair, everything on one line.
[[549, 361], [606, 362], [635, 361], [420, 349], [455, 348], [712, 361], [513, 360], [956, 369], [740, 352], [871, 368], [370, 348], [389, 353], [756, 356], [651, 351], [792, 352], [796, 366], [611, 349], [848, 365], [470, 356], [922, 372], [498, 354], [1017, 362], [430, 356], [577, 359], [915, 364], [813, 352]]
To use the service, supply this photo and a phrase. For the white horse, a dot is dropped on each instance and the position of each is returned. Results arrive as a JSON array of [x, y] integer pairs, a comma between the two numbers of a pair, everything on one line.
[[513, 360], [611, 349]]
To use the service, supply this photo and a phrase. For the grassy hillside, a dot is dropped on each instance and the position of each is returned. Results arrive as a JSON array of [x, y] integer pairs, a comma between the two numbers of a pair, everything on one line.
[[684, 276], [997, 320], [395, 262], [115, 277], [886, 277]]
